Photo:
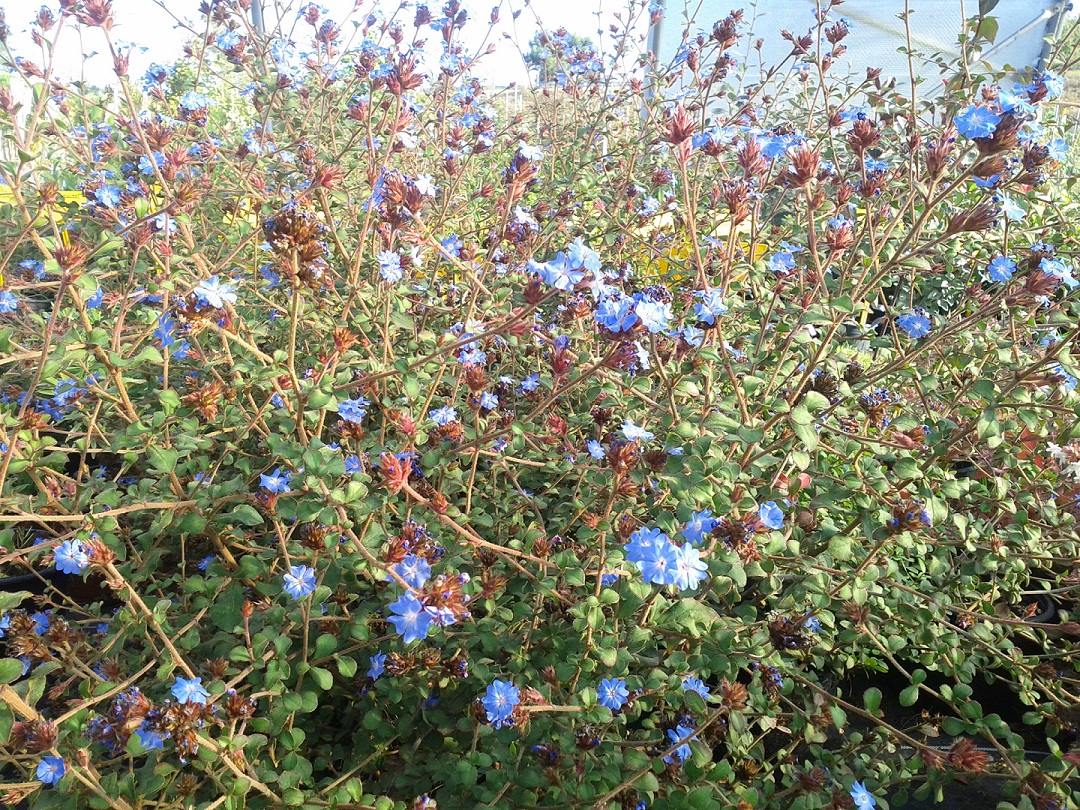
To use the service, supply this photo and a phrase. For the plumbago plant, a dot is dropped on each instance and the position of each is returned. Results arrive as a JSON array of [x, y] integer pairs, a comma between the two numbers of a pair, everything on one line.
[[661, 445]]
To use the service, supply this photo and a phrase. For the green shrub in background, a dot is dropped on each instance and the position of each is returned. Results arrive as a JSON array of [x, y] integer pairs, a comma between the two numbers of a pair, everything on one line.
[[385, 445]]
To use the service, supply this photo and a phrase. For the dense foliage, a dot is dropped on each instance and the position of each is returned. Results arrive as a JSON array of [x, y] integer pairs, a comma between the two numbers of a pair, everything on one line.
[[367, 443]]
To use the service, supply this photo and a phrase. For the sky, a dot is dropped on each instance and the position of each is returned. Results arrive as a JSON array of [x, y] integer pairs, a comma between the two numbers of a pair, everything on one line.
[[158, 38]]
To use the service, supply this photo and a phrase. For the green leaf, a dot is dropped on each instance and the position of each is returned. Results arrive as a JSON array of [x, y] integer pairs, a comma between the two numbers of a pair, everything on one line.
[[872, 699], [346, 666], [909, 696], [806, 433], [162, 459], [246, 515], [323, 677], [10, 669], [800, 415], [13, 599]]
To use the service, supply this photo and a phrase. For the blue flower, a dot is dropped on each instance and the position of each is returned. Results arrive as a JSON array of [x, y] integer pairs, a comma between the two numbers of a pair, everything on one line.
[[353, 410], [655, 556], [489, 401], [699, 525], [71, 557], [617, 314], [1001, 268], [813, 624], [41, 622], [148, 738], [94, 301], [300, 581], [582, 256], [692, 684], [277, 481], [560, 274], [771, 515], [452, 245], [612, 693], [530, 152], [976, 121], [411, 619], [212, 293], [9, 302], [654, 315], [191, 101], [444, 415], [108, 196], [1058, 269], [861, 796], [148, 162], [634, 433], [414, 570], [353, 464], [378, 666], [782, 263], [683, 752], [596, 450], [189, 691], [689, 569], [1068, 381], [711, 306], [530, 383], [915, 324], [499, 701], [390, 266], [51, 769]]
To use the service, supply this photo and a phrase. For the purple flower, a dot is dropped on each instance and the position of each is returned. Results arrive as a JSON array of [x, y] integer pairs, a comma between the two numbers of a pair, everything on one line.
[[612, 693], [300, 581], [189, 690], [411, 619]]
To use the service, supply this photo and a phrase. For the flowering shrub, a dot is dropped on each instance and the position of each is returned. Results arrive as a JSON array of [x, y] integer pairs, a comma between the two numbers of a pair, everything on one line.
[[377, 445]]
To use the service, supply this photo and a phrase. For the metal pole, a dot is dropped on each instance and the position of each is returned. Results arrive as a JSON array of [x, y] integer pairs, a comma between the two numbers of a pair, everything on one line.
[[257, 17]]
